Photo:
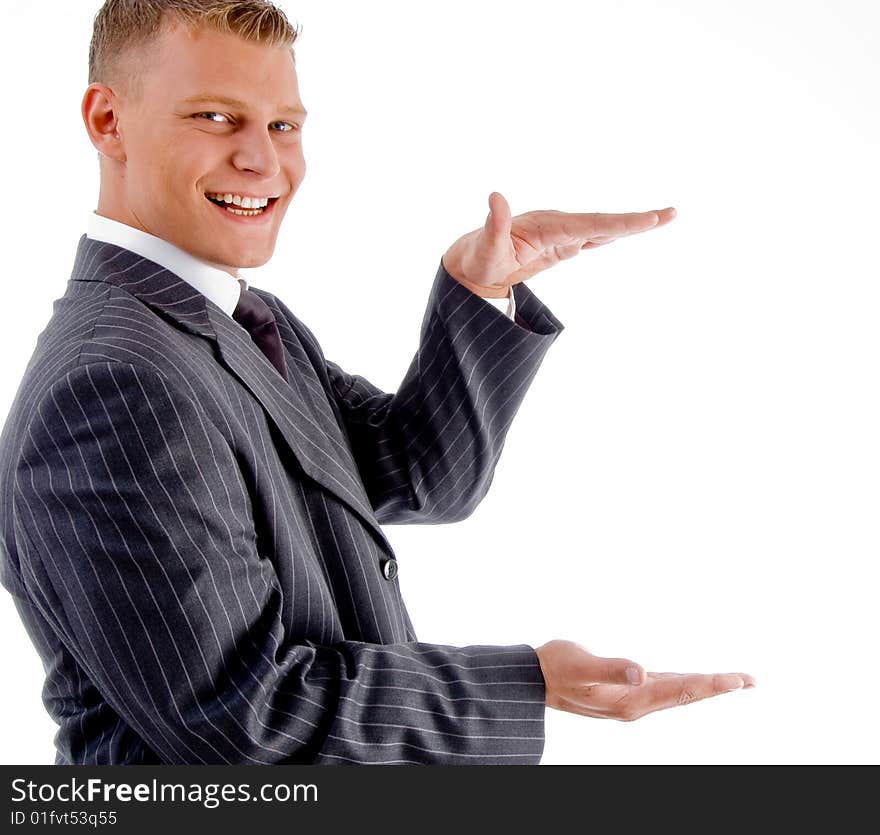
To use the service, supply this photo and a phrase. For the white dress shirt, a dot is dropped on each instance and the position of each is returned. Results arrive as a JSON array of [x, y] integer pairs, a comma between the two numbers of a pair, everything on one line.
[[219, 286]]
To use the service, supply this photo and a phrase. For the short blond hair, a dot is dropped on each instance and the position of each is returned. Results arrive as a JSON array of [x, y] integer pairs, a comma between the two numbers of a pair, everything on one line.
[[125, 30]]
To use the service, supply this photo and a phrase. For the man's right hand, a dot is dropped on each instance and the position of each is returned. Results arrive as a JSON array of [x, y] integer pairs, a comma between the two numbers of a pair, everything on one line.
[[615, 688]]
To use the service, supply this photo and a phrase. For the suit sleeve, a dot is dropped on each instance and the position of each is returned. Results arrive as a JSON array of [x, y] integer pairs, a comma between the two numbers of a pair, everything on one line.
[[137, 544], [427, 453]]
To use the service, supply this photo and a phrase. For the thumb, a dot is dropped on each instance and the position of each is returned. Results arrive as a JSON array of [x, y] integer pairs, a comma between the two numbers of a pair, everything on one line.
[[498, 221], [598, 670]]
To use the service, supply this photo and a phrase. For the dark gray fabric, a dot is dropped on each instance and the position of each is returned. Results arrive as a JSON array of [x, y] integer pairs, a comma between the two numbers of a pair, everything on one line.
[[195, 545]]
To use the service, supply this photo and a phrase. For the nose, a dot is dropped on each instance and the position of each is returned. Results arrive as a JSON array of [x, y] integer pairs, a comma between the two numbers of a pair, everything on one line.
[[256, 152]]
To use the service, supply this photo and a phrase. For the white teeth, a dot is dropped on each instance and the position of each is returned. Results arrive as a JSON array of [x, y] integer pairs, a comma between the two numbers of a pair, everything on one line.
[[238, 200]]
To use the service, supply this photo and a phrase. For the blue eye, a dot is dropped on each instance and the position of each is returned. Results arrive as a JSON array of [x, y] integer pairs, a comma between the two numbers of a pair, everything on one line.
[[210, 113]]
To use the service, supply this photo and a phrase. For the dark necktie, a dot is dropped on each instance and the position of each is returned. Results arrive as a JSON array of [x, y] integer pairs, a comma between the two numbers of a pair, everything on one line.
[[254, 315]]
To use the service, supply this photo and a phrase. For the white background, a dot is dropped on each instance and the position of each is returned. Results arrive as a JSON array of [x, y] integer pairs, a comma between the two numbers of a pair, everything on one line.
[[692, 480]]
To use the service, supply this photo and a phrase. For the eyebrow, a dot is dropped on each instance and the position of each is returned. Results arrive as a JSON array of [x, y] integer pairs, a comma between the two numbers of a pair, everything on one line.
[[205, 98]]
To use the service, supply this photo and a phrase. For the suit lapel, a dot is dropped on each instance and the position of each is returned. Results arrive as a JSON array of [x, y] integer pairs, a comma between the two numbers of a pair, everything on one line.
[[317, 443], [305, 424]]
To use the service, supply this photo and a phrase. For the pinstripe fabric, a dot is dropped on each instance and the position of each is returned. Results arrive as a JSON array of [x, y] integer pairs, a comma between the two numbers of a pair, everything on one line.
[[195, 545]]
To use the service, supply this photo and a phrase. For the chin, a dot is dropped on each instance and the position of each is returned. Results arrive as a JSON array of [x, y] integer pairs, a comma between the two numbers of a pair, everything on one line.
[[254, 260], [232, 258]]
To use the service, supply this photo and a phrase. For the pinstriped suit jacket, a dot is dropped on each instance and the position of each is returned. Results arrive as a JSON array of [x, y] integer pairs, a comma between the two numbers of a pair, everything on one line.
[[195, 545]]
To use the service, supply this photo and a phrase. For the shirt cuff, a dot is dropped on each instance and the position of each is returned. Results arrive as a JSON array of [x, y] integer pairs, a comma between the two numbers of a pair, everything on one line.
[[507, 305]]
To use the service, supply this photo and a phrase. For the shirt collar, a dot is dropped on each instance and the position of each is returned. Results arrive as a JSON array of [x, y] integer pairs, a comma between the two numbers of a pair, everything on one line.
[[219, 286]]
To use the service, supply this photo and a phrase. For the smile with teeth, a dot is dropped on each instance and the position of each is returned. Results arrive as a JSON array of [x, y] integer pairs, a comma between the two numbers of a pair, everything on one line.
[[238, 205]]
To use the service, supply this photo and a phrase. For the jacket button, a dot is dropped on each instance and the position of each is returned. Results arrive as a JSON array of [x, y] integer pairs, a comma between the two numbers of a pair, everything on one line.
[[389, 569]]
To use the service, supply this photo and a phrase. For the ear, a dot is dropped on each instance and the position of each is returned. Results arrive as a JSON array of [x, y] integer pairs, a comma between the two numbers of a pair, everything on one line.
[[100, 114]]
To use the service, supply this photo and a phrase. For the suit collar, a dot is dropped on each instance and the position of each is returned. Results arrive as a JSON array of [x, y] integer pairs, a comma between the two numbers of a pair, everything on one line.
[[303, 417], [211, 279], [167, 294]]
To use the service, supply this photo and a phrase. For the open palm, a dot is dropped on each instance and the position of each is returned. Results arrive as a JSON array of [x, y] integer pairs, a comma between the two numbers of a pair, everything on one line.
[[508, 250]]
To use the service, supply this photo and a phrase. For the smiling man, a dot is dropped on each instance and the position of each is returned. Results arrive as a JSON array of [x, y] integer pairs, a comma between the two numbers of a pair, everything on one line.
[[195, 157], [192, 496]]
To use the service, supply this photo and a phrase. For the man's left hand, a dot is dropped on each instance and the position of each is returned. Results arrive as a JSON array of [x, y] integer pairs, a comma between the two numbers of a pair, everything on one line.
[[508, 249]]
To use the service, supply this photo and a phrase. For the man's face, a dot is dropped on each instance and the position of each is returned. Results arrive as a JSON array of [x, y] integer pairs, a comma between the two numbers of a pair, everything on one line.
[[178, 151]]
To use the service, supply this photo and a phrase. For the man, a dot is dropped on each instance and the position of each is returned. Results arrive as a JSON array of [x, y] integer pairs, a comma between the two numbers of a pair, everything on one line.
[[191, 495]]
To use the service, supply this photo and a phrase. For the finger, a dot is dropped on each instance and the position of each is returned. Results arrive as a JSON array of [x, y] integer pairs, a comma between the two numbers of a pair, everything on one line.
[[664, 216], [596, 225], [748, 680], [499, 219], [660, 691], [676, 690]]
